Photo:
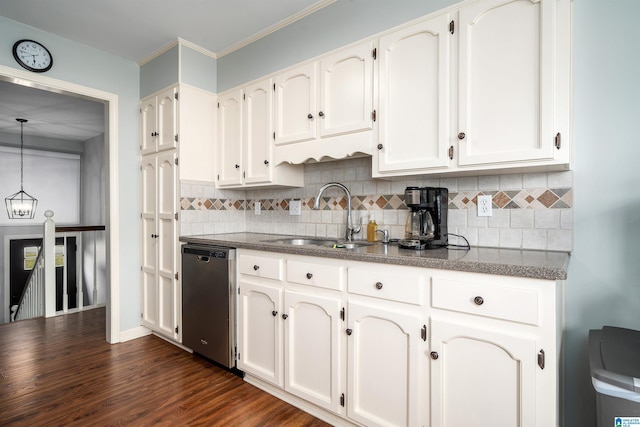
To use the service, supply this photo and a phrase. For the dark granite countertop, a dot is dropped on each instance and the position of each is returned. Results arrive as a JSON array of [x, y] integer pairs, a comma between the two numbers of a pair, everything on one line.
[[546, 265]]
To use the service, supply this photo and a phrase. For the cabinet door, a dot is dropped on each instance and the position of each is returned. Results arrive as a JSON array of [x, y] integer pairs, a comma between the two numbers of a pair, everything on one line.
[[258, 132], [346, 95], [259, 332], [149, 290], [481, 377], [383, 366], [167, 119], [312, 336], [230, 139], [506, 97], [167, 243], [148, 125], [295, 105], [414, 97]]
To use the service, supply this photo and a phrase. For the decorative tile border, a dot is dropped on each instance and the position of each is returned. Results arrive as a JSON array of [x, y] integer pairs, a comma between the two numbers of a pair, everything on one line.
[[542, 198]]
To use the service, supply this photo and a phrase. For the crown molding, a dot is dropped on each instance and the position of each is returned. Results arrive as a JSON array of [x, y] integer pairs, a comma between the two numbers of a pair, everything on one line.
[[275, 27]]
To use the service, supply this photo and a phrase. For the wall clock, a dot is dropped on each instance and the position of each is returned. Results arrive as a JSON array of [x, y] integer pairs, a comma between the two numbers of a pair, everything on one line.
[[32, 55]]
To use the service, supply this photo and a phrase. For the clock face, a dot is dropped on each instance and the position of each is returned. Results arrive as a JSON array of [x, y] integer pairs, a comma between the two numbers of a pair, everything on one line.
[[32, 55]]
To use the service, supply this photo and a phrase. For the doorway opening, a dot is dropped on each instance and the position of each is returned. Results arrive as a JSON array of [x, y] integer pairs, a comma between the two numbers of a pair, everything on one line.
[[110, 103]]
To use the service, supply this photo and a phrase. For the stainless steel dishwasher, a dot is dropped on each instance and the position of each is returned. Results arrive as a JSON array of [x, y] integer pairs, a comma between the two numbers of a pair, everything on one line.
[[209, 302]]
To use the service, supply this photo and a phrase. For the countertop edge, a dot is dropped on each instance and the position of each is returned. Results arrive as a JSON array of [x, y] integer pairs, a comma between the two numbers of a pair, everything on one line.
[[502, 269]]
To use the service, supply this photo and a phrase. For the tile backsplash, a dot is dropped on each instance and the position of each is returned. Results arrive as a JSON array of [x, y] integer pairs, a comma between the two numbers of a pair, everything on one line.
[[530, 211]]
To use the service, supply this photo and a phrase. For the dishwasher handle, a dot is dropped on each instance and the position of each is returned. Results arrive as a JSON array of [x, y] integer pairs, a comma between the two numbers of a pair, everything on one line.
[[205, 254]]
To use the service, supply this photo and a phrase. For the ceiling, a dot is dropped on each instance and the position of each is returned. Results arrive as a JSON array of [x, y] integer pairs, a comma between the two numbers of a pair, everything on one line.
[[134, 30]]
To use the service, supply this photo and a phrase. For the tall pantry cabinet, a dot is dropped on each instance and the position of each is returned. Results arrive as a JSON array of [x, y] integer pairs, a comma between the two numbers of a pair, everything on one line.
[[177, 140]]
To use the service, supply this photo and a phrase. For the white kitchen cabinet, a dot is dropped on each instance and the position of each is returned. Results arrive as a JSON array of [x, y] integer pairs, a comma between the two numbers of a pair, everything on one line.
[[160, 290], [312, 346], [177, 142], [383, 371], [158, 122], [512, 82], [230, 139], [482, 377], [289, 336], [245, 141], [325, 108], [414, 104], [295, 111], [260, 331], [494, 352]]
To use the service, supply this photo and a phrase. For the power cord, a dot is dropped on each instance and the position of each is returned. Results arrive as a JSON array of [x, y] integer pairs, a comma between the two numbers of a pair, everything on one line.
[[464, 247]]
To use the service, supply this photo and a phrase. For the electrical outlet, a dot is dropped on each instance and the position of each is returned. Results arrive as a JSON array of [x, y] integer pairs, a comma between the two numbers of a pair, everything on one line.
[[257, 207], [484, 206], [295, 207]]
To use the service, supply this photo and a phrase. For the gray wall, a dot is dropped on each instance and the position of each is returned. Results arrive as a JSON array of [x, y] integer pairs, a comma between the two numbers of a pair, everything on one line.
[[604, 271]]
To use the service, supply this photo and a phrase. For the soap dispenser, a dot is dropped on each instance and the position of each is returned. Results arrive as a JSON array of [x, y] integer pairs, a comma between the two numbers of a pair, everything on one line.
[[372, 229]]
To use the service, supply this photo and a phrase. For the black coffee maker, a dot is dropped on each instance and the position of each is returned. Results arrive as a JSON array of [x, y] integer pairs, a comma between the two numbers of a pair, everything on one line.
[[426, 226]]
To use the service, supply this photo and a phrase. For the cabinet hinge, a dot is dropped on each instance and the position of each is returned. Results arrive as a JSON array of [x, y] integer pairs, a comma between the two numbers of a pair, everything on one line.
[[423, 333], [451, 152], [176, 161], [374, 115], [177, 329], [342, 314], [374, 54], [176, 96], [176, 216], [541, 359], [452, 27], [176, 137], [176, 276], [558, 141], [342, 400]]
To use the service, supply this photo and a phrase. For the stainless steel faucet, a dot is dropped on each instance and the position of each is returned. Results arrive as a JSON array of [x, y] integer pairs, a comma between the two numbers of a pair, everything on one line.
[[351, 230]]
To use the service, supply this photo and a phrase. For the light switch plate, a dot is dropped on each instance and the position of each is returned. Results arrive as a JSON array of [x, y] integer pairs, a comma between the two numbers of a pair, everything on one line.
[[257, 207], [484, 206], [295, 207]]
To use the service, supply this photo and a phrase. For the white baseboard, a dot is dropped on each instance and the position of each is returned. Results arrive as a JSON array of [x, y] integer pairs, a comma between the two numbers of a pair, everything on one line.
[[134, 333]]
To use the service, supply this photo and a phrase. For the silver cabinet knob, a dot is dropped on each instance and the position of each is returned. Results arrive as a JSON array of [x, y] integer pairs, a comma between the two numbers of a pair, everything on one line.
[[256, 267], [478, 300], [434, 355], [309, 276], [378, 285]]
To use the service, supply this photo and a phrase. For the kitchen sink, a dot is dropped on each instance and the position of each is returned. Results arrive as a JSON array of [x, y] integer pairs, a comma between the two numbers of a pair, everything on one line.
[[327, 243]]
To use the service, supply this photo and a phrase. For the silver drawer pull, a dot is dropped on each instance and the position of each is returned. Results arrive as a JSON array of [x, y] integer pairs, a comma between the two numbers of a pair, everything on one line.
[[478, 300], [378, 285], [309, 275], [256, 267]]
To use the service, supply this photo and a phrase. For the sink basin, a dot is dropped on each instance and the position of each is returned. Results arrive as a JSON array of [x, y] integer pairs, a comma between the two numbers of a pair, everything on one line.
[[303, 242], [328, 243]]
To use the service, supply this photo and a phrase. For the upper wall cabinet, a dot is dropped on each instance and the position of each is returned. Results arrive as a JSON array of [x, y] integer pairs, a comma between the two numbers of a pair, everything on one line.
[[330, 116], [414, 87], [158, 122], [508, 81], [245, 140], [508, 61]]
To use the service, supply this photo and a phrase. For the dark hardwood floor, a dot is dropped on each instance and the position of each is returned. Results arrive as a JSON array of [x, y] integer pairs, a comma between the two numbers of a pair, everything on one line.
[[61, 372]]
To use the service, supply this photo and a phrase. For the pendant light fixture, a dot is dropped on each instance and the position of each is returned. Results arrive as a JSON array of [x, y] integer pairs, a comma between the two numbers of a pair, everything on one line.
[[21, 205]]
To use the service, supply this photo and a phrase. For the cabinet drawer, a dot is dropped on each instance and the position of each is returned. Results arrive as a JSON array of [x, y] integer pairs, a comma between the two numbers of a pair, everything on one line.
[[395, 284], [261, 266], [500, 302], [315, 274]]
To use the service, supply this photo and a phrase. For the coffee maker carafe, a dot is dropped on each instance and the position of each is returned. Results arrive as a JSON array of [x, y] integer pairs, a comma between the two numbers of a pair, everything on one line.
[[426, 225]]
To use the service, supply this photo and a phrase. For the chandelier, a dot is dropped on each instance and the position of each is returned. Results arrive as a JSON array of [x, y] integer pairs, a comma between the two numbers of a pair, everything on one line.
[[21, 205]]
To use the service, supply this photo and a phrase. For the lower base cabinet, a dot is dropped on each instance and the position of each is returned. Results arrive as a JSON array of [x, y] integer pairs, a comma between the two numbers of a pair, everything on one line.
[[361, 344]]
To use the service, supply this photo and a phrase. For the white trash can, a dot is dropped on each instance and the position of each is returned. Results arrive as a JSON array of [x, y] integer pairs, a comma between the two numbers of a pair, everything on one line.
[[614, 356]]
